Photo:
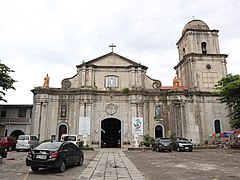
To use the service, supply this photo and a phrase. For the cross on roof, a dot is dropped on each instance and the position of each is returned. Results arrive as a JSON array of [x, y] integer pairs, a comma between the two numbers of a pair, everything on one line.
[[112, 46]]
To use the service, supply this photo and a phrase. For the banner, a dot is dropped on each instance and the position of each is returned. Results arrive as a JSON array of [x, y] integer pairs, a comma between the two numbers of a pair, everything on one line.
[[137, 125], [84, 125]]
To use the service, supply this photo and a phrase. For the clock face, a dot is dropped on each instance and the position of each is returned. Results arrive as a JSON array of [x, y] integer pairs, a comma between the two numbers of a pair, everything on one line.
[[208, 66]]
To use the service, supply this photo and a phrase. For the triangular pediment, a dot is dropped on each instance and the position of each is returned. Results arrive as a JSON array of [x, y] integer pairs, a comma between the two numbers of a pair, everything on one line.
[[112, 60]]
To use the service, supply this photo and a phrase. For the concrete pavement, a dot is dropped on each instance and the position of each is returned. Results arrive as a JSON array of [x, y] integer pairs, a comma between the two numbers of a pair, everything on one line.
[[111, 164]]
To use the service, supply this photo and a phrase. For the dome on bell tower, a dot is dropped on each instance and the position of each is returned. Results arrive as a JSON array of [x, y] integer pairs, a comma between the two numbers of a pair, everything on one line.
[[196, 25]]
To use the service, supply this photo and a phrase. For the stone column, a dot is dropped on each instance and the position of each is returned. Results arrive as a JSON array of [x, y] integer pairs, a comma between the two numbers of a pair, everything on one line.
[[224, 67], [133, 80], [83, 76]]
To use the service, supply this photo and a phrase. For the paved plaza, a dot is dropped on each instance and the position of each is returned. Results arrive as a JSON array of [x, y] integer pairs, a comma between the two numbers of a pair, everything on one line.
[[121, 164], [110, 164]]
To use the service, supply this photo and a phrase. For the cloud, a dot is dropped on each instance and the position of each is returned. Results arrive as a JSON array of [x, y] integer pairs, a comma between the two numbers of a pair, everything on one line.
[[52, 37]]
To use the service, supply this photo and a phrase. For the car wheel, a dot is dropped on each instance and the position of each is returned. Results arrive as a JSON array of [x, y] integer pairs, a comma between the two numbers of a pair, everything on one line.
[[62, 168], [80, 163], [178, 149], [17, 150], [170, 150], [190, 150], [35, 168]]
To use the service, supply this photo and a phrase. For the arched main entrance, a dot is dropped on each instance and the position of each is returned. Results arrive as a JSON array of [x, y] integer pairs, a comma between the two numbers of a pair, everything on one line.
[[159, 131], [16, 133], [62, 129], [111, 133]]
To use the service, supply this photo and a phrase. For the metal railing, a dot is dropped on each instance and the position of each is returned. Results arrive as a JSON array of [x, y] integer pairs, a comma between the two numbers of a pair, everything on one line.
[[18, 120]]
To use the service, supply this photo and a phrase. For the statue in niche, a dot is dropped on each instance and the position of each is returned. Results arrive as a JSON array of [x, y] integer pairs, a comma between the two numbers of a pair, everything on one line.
[[157, 112]]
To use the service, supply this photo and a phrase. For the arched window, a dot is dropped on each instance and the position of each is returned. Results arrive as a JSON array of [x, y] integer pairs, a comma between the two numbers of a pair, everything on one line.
[[111, 81], [217, 126], [204, 47]]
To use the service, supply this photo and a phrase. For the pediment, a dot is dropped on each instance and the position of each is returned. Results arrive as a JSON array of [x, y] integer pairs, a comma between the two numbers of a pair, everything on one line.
[[112, 60]]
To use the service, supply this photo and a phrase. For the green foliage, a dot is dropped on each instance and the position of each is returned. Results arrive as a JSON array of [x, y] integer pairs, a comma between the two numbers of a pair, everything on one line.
[[229, 92], [125, 90], [37, 87], [148, 140], [6, 82], [81, 144]]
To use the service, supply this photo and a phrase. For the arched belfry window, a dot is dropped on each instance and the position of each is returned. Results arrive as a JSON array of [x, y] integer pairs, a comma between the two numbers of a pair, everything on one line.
[[184, 51], [204, 47], [217, 126]]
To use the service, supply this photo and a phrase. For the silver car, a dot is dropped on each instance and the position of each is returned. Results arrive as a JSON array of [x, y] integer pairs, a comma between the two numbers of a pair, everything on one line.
[[26, 142]]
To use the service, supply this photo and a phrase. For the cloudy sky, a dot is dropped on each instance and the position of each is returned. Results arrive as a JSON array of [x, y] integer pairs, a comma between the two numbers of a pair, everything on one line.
[[39, 37]]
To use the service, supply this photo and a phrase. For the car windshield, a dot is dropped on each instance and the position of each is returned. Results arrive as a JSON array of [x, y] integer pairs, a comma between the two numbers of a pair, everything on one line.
[[183, 140], [69, 138], [166, 140], [23, 138], [49, 146]]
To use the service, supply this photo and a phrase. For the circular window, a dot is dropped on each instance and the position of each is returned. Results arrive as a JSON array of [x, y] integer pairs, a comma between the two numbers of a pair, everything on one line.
[[208, 66]]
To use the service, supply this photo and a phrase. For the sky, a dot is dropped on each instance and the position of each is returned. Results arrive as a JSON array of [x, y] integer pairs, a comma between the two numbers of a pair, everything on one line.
[[39, 37]]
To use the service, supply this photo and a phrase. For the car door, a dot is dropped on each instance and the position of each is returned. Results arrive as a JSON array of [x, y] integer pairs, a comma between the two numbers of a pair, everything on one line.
[[67, 154], [74, 153]]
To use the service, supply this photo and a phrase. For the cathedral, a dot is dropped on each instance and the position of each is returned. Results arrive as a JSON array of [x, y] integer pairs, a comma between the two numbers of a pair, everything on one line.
[[111, 100]]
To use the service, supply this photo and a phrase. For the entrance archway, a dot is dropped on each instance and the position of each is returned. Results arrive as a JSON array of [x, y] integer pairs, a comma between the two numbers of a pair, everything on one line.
[[111, 133], [62, 129], [16, 133], [159, 131]]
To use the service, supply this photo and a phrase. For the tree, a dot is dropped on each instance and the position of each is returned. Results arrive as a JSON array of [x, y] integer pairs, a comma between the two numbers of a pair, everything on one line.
[[229, 92], [6, 81]]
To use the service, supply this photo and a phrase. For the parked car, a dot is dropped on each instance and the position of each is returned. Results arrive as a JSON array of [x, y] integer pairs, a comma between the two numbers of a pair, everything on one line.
[[73, 138], [26, 142], [54, 155], [182, 144], [8, 142], [3, 154], [162, 144]]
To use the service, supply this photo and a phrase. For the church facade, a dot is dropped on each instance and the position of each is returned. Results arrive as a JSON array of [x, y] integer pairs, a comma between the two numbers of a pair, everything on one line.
[[111, 100]]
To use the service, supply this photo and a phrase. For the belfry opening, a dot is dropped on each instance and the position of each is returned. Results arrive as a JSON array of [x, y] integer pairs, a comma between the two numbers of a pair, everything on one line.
[[111, 133]]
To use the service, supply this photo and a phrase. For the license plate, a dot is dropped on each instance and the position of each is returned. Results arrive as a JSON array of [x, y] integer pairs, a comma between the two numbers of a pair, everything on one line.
[[41, 156], [186, 148]]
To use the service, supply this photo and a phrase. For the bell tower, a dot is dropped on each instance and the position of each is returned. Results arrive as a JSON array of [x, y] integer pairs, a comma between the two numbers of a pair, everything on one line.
[[201, 65]]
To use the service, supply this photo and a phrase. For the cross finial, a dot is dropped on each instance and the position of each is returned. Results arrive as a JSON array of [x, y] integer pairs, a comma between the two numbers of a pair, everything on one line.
[[112, 46]]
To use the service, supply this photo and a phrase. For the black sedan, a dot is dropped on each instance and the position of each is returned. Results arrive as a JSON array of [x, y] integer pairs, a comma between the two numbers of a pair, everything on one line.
[[182, 144], [3, 153], [54, 155]]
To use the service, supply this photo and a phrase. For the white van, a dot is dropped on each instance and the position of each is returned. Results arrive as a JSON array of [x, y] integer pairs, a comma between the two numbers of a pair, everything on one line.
[[26, 142], [73, 138]]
